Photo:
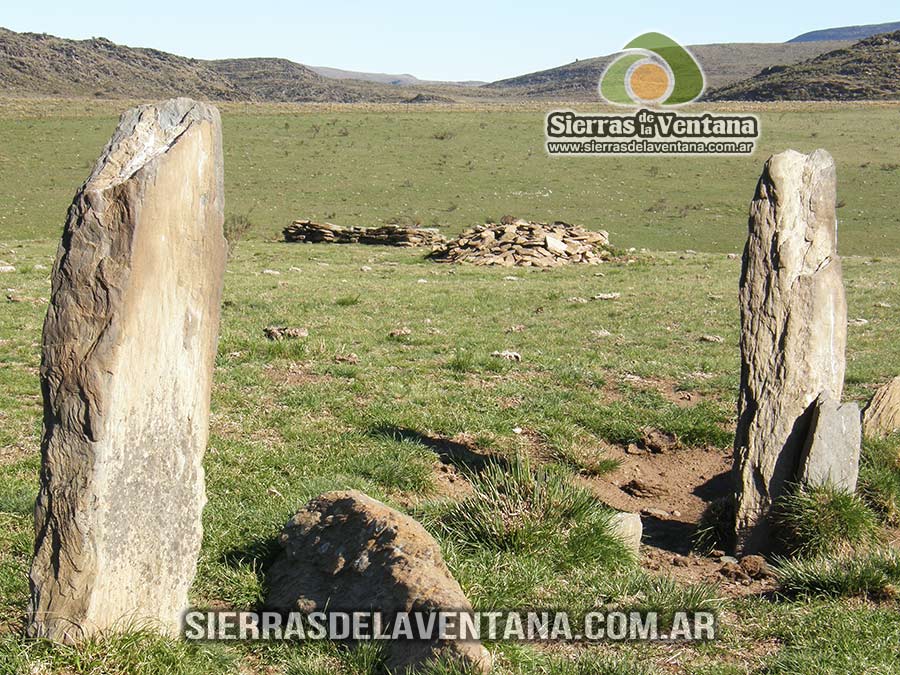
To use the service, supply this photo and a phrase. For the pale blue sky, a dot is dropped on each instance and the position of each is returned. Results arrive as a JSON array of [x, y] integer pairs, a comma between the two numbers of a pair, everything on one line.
[[458, 40]]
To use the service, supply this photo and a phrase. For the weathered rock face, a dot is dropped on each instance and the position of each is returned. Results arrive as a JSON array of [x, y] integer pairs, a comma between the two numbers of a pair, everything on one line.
[[348, 552], [794, 329], [882, 416], [832, 447], [128, 348]]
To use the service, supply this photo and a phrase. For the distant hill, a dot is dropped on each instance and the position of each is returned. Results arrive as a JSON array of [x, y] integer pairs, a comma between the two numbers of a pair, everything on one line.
[[722, 64], [271, 79], [44, 65], [382, 78], [403, 80], [867, 70], [848, 32], [33, 64]]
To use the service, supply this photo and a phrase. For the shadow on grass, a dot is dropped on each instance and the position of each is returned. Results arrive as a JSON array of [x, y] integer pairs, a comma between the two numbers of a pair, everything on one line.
[[460, 455], [260, 554]]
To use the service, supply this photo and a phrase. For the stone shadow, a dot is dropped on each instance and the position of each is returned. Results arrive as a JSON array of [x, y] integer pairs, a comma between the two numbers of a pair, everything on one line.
[[460, 455]]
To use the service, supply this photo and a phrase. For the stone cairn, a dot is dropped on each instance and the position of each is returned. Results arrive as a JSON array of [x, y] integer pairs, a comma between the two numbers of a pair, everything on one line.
[[386, 235], [791, 426], [521, 243], [129, 343]]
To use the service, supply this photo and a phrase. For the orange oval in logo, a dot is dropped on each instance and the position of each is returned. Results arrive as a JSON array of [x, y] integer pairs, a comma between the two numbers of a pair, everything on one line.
[[649, 81]]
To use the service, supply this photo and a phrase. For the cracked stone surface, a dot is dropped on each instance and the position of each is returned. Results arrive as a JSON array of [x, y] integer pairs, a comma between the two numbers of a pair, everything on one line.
[[793, 331], [128, 347]]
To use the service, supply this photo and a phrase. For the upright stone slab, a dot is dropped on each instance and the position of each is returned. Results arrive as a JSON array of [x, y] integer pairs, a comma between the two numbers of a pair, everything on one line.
[[128, 349], [793, 331], [831, 454]]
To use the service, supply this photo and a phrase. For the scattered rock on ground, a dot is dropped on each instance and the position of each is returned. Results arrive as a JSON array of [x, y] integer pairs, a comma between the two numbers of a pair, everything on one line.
[[278, 333], [629, 529], [516, 242], [733, 571], [659, 441], [508, 355], [755, 567], [345, 551], [640, 489]]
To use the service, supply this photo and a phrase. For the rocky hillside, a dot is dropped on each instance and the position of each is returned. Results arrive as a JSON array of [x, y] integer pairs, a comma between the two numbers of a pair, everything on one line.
[[44, 65], [34, 64], [867, 70], [848, 32], [265, 79], [722, 64]]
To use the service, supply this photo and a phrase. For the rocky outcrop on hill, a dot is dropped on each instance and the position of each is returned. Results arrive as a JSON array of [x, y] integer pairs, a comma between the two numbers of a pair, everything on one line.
[[866, 71]]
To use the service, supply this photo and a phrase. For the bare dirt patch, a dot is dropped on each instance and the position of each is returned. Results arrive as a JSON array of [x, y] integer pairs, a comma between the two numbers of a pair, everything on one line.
[[671, 490]]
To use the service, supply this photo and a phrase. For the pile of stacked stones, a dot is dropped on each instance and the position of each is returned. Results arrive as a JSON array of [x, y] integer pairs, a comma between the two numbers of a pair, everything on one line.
[[516, 242], [386, 235]]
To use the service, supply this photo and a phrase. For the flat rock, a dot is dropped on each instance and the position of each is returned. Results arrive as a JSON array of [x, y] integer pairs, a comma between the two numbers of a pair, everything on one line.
[[129, 343], [831, 455], [345, 551]]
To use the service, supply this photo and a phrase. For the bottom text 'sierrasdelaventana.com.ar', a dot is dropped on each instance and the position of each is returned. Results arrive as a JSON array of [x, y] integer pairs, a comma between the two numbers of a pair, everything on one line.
[[531, 626]]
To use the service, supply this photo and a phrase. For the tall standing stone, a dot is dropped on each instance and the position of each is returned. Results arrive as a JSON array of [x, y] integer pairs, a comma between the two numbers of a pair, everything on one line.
[[794, 330], [128, 349]]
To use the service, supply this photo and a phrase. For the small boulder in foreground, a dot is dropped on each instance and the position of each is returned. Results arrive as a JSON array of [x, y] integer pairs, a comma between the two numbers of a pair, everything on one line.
[[345, 551]]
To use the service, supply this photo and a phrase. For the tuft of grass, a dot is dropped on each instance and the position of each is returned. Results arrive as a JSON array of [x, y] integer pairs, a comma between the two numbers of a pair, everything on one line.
[[665, 596], [570, 444], [824, 519], [347, 300], [465, 361], [716, 527], [525, 510], [875, 574], [879, 477]]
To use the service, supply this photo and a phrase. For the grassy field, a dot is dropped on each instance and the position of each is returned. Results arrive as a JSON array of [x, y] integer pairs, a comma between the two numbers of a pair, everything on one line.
[[352, 406], [454, 169]]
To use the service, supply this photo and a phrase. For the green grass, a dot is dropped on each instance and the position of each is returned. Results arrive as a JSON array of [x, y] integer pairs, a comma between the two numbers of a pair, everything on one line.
[[524, 510], [879, 477], [293, 419], [874, 574], [818, 520], [136, 653], [454, 169]]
